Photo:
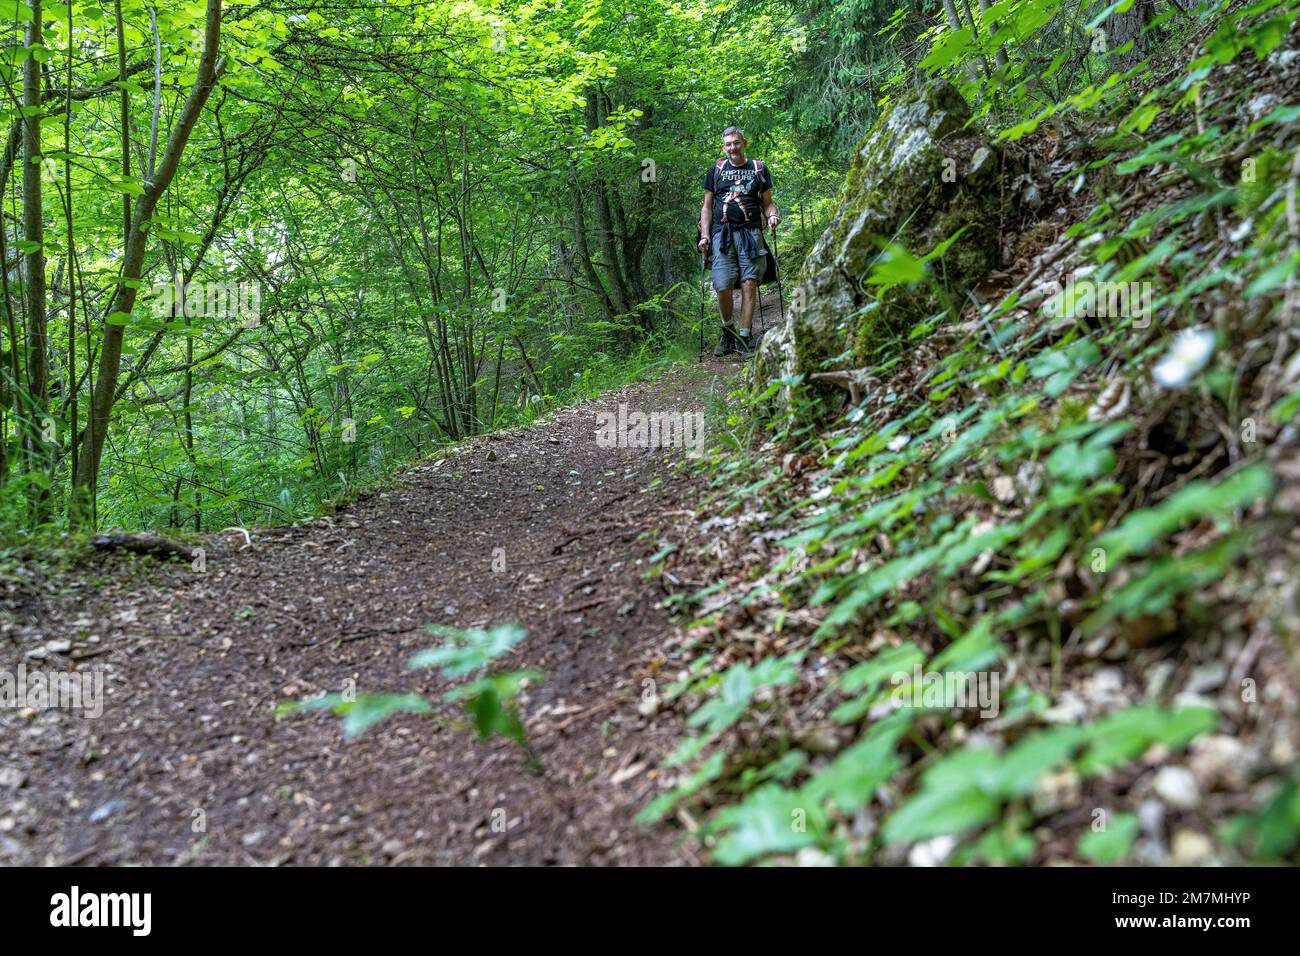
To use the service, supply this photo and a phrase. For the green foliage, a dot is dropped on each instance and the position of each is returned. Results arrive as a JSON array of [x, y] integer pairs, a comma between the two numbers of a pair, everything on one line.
[[996, 506], [360, 712], [1141, 529], [1111, 844], [491, 699], [1272, 829], [407, 219], [467, 651]]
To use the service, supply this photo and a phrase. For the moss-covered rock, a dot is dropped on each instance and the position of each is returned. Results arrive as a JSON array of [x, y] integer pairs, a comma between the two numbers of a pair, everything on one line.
[[918, 177]]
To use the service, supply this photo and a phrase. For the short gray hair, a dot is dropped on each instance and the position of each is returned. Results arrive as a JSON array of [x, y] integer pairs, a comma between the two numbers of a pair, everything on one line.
[[733, 129]]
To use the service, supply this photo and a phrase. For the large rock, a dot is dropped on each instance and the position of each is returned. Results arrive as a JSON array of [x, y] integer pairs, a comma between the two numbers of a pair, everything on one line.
[[918, 176]]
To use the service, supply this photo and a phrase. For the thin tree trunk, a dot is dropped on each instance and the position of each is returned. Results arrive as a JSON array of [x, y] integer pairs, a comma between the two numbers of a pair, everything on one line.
[[1000, 54], [110, 356], [34, 261]]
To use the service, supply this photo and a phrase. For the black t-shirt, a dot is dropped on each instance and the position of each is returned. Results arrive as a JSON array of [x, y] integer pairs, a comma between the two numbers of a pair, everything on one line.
[[737, 192]]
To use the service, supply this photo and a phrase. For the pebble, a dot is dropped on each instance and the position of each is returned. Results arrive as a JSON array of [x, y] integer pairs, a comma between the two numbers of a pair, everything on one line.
[[1207, 677], [811, 856], [1177, 787], [1261, 104], [12, 777], [1218, 759], [1191, 848], [932, 852], [1157, 677], [1069, 709], [1106, 682], [1055, 791], [106, 810]]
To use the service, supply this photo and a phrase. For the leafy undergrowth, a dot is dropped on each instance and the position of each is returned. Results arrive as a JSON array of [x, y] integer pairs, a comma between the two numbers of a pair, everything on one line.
[[490, 698], [1034, 598]]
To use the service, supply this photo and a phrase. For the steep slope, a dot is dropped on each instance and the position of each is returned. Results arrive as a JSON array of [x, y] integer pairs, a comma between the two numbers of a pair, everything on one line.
[[1030, 591]]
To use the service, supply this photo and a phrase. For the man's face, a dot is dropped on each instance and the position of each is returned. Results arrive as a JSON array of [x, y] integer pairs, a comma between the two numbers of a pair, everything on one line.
[[734, 146]]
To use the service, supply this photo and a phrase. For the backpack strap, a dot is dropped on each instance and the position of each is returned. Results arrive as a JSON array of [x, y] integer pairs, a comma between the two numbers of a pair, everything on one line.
[[717, 168], [758, 171]]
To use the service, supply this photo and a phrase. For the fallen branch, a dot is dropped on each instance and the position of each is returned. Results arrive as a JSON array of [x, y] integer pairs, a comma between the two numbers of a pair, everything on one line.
[[146, 542], [854, 380]]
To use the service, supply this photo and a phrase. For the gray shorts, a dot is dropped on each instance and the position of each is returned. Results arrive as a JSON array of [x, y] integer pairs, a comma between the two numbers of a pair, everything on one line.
[[735, 265]]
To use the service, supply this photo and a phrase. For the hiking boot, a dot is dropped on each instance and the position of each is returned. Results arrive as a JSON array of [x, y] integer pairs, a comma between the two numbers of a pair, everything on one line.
[[726, 343], [741, 344]]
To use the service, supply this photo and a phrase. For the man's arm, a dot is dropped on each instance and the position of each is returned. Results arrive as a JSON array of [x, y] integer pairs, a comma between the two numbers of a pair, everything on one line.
[[769, 207], [706, 218]]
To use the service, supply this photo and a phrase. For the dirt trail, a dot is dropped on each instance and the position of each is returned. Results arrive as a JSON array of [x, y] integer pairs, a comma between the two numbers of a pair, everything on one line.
[[197, 662]]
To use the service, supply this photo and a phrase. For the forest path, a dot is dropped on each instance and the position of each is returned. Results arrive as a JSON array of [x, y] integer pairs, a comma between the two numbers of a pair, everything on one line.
[[189, 764]]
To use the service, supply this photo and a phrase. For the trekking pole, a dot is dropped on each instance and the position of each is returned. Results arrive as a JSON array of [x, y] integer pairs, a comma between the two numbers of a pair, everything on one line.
[[704, 263], [779, 291]]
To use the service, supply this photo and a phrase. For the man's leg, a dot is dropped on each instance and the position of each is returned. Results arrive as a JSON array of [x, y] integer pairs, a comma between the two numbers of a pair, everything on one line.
[[726, 303], [724, 278], [748, 296], [749, 269]]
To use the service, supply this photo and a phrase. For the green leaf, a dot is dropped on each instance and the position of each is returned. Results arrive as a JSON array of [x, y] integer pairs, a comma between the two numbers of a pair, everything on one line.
[[851, 781], [1023, 765], [1272, 829], [936, 812], [896, 266], [1111, 844], [663, 804], [772, 819], [363, 712], [1141, 529], [466, 651], [1073, 461], [1125, 735], [1061, 366], [947, 49]]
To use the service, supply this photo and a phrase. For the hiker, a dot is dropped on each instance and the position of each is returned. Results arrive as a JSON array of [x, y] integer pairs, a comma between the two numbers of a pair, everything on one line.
[[737, 202]]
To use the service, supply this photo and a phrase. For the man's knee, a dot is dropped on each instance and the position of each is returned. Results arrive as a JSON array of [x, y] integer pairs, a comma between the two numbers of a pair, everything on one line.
[[748, 288]]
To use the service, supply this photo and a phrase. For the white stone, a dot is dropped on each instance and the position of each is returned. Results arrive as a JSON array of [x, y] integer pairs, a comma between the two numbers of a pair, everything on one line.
[[1177, 787]]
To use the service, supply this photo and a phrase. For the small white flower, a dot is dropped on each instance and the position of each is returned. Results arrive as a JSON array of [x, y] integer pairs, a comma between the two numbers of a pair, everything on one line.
[[898, 442], [1189, 353]]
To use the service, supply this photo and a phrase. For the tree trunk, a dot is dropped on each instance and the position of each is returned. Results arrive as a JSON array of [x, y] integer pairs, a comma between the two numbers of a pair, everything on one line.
[[110, 357], [38, 370], [1000, 54], [1124, 27]]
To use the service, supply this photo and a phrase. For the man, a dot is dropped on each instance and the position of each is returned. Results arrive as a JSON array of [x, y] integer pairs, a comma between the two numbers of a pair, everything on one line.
[[737, 202]]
